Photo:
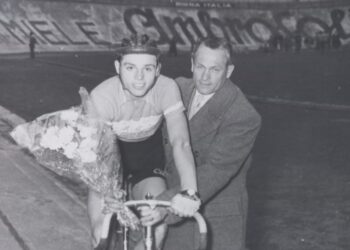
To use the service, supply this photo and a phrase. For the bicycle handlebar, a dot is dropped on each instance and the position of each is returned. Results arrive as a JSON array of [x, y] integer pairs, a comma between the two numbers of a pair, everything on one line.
[[198, 217]]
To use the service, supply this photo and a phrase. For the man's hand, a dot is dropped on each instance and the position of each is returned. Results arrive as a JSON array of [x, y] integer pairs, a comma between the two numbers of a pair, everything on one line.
[[184, 206], [150, 217]]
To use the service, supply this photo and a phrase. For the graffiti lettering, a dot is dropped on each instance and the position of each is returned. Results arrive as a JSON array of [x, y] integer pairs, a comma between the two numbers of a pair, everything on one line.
[[15, 30], [47, 32], [151, 22], [43, 28], [187, 27], [337, 18], [190, 29], [92, 35], [257, 30], [30, 29], [258, 36], [67, 37], [236, 27], [281, 18], [309, 26], [212, 26]]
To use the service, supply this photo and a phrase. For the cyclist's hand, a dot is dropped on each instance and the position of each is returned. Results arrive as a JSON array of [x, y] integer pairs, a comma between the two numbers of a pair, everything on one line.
[[184, 206], [150, 217], [111, 205]]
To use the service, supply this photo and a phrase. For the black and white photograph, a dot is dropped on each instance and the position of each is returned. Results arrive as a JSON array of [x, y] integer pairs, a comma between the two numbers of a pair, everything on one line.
[[174, 124]]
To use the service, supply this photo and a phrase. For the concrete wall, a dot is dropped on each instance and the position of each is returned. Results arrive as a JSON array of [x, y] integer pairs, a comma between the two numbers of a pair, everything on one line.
[[68, 26]]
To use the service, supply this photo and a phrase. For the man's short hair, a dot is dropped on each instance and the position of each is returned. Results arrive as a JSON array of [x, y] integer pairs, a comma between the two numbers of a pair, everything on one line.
[[214, 43], [138, 45]]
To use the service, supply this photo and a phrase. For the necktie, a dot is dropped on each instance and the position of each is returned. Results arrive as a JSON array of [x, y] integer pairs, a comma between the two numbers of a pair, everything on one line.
[[196, 105]]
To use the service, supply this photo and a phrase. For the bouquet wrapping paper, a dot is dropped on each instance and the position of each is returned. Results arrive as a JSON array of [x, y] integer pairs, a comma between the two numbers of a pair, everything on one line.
[[75, 143]]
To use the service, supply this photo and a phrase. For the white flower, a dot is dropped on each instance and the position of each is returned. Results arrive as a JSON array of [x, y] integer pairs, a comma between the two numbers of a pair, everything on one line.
[[88, 143], [70, 150], [65, 135], [50, 138], [86, 132], [86, 155], [22, 137], [69, 115]]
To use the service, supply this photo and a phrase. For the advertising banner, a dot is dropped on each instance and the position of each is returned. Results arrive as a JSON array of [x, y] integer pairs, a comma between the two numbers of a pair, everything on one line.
[[79, 26]]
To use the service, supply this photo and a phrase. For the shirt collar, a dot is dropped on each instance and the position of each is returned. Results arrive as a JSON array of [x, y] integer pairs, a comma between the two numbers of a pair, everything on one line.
[[205, 97]]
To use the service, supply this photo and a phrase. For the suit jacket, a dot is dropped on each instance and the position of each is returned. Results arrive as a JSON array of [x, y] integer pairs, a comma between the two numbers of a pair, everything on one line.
[[222, 136]]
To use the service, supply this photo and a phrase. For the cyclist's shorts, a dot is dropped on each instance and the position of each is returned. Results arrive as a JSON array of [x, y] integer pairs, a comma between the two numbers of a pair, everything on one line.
[[143, 159]]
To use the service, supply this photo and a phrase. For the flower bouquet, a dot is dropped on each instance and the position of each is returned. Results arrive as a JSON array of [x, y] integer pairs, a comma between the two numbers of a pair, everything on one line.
[[77, 144]]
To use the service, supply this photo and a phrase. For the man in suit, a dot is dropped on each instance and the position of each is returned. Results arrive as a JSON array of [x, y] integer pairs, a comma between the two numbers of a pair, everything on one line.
[[223, 127]]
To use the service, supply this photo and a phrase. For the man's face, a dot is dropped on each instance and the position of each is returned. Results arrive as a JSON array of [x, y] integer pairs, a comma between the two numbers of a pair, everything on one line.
[[138, 72], [210, 69]]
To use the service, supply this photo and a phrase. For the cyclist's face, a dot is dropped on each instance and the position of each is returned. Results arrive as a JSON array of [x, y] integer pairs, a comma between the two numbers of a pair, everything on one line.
[[138, 72]]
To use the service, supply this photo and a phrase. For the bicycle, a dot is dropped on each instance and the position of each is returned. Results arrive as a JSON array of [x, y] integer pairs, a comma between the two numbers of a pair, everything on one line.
[[117, 238]]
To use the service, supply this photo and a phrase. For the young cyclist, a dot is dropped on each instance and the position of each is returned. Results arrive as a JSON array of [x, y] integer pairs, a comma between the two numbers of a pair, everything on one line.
[[136, 101]]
